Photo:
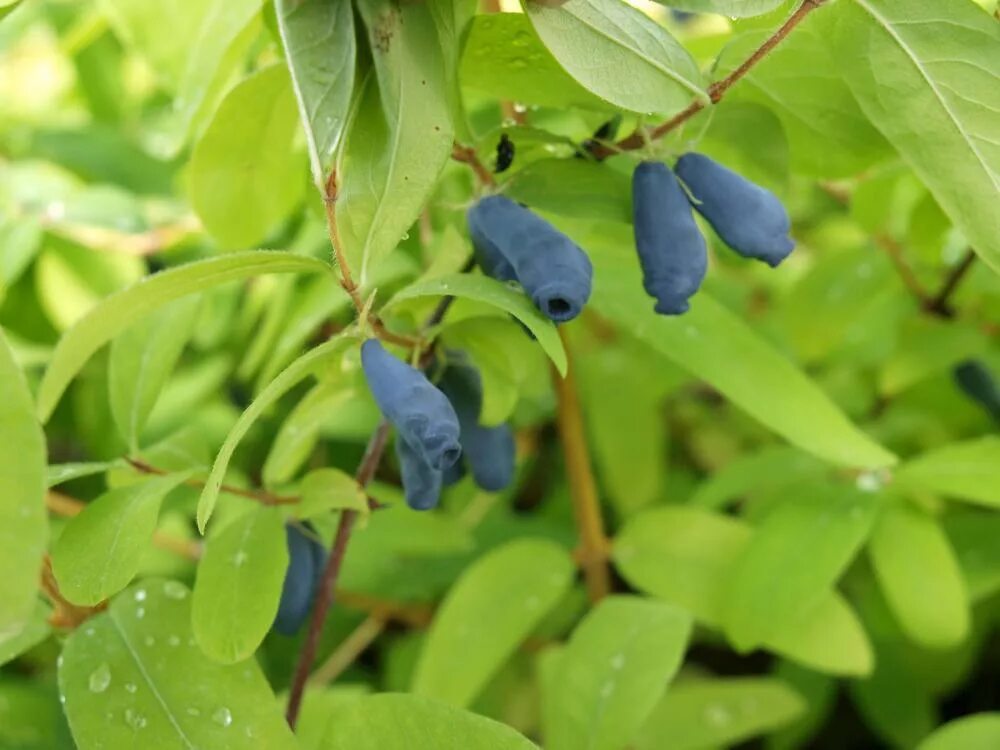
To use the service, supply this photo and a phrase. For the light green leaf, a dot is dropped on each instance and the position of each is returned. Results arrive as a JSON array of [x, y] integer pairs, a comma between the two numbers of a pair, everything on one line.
[[142, 360], [619, 53], [319, 41], [973, 732], [731, 8], [934, 95], [56, 474], [968, 470], [715, 345], [323, 355], [504, 58], [24, 528], [770, 468], [239, 583], [323, 490], [920, 577], [701, 713], [100, 550], [497, 294], [688, 556], [794, 559], [488, 613], [33, 632], [451, 17], [398, 721], [399, 138], [134, 680], [928, 347], [615, 668], [244, 175], [117, 312]]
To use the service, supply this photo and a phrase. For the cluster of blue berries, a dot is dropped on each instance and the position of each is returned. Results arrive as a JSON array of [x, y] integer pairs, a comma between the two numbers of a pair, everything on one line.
[[672, 253]]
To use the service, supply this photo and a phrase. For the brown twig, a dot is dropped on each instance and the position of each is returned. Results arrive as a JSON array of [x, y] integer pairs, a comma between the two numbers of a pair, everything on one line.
[[940, 303], [64, 614], [895, 252], [261, 496], [593, 551], [467, 155], [639, 138]]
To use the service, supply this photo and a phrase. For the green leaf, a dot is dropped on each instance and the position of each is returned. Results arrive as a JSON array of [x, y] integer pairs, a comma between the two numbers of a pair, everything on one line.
[[239, 583], [928, 347], [100, 550], [715, 345], [399, 138], [323, 355], [142, 360], [731, 8], [615, 668], [574, 187], [24, 527], [934, 95], [319, 42], [398, 721], [973, 534], [973, 732], [244, 175], [33, 632], [451, 18], [968, 470], [56, 474], [323, 490], [497, 294], [488, 613], [117, 312], [920, 577], [688, 556], [702, 713], [132, 680], [771, 468], [795, 558], [505, 59], [619, 53]]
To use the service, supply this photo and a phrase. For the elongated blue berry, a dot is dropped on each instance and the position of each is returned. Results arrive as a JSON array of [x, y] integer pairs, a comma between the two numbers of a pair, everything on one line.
[[306, 560], [671, 248], [421, 414], [748, 218], [488, 451], [421, 481], [554, 272], [974, 380]]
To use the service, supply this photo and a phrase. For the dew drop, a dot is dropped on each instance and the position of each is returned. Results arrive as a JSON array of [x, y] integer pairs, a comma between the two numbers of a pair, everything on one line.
[[240, 558], [134, 719], [607, 689], [130, 687], [140, 595], [149, 641], [140, 612], [99, 679], [617, 661], [717, 715], [89, 631], [192, 711], [175, 590], [222, 716], [174, 640]]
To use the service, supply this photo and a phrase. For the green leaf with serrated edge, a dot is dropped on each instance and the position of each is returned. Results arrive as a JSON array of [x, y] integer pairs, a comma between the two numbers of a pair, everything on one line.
[[142, 360], [133, 677], [616, 666], [24, 528], [504, 58], [747, 370], [701, 713], [319, 42], [488, 613], [398, 721], [497, 294], [323, 490], [100, 550], [934, 95], [796, 555], [244, 175], [399, 138], [323, 355], [974, 732], [33, 632], [117, 312], [619, 53], [687, 556], [920, 577], [239, 583], [968, 470]]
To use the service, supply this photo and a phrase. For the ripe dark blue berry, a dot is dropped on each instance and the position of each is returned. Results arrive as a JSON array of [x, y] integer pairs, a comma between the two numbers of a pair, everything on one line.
[[421, 481], [488, 451], [306, 560], [975, 381], [517, 245], [748, 218], [422, 415], [671, 248]]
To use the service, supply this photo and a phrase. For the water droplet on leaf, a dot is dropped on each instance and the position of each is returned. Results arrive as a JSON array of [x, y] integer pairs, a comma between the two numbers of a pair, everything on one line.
[[99, 679]]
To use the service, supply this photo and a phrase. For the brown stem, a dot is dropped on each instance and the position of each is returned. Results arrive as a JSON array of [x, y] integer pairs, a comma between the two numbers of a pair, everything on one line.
[[895, 252], [716, 91], [940, 304], [467, 155], [261, 496], [325, 592], [346, 280], [593, 551]]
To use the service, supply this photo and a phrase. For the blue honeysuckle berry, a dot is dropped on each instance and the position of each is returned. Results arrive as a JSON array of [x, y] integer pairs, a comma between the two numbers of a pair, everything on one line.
[[518, 245], [306, 560], [422, 415], [671, 248], [488, 451], [747, 217], [421, 481], [975, 380]]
